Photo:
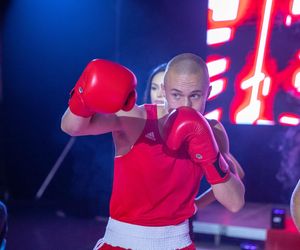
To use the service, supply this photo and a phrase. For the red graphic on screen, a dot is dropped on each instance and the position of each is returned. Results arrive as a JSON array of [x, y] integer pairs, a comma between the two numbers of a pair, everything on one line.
[[258, 82]]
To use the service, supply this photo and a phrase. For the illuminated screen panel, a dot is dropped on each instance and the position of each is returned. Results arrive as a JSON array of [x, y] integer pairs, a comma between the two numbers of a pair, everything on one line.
[[254, 61]]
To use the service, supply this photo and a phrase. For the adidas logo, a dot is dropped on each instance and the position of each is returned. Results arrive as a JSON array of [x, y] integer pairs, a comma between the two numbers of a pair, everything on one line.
[[151, 136]]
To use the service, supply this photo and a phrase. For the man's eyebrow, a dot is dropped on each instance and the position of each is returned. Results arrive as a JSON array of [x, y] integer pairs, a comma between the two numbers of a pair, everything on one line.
[[177, 90]]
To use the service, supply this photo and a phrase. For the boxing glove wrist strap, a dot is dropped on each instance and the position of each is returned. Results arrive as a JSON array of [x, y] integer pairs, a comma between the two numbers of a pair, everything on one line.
[[218, 172]]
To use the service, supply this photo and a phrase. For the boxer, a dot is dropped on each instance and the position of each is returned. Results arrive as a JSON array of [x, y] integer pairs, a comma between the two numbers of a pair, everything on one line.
[[156, 179]]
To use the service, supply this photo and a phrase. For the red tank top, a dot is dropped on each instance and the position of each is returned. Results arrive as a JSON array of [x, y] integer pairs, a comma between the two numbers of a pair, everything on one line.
[[153, 187]]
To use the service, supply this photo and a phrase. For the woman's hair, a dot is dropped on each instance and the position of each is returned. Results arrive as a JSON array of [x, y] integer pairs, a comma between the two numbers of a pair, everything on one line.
[[158, 69]]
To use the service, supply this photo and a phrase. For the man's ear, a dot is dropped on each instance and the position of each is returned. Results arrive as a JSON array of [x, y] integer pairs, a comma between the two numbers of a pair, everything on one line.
[[208, 92]]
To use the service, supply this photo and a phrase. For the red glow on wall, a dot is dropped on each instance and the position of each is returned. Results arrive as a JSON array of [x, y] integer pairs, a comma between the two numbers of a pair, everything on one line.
[[259, 81], [289, 78], [217, 66], [236, 17]]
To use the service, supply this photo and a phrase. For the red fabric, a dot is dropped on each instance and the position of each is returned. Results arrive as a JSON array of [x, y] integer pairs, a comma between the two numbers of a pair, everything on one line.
[[153, 187], [283, 239], [109, 247], [290, 225]]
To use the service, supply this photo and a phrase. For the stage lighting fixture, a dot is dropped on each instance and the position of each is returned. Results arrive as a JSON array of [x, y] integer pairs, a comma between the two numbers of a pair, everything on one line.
[[278, 218]]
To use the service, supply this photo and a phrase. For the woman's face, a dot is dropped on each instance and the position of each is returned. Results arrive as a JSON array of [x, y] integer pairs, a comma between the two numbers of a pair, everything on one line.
[[156, 90]]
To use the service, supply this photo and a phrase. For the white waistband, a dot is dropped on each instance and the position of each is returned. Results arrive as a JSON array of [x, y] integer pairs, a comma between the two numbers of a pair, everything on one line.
[[138, 237]]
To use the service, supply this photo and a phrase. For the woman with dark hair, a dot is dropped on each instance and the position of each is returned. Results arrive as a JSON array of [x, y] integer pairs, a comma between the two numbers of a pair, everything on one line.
[[153, 92]]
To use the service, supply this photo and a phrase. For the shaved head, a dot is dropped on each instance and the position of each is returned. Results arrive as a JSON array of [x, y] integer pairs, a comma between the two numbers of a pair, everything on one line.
[[186, 82], [188, 63]]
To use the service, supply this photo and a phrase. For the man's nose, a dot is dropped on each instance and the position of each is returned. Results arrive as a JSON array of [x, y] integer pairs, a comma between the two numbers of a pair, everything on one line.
[[187, 102]]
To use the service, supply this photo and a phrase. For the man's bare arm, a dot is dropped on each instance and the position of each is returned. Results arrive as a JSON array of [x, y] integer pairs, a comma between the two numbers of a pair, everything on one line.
[[230, 193], [295, 205], [97, 124], [208, 196]]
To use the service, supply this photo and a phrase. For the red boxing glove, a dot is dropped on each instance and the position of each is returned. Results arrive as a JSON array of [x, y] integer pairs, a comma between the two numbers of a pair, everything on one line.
[[187, 126], [103, 87]]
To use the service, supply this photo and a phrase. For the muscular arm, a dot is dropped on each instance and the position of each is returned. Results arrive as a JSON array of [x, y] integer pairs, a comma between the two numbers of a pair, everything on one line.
[[97, 124], [295, 205], [221, 137], [230, 193], [223, 143], [205, 198]]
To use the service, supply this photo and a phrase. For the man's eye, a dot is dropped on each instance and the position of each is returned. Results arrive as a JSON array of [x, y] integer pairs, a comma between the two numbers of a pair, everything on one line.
[[195, 96], [176, 95]]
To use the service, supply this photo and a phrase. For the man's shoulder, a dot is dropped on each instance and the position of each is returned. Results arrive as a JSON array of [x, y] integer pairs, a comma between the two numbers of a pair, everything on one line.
[[215, 124], [218, 130], [135, 112]]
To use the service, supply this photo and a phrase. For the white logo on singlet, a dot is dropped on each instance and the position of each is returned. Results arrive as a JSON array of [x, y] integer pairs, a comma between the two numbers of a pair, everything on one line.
[[151, 136]]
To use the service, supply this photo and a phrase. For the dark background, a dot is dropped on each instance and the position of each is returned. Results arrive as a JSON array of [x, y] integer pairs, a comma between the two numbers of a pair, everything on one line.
[[44, 47]]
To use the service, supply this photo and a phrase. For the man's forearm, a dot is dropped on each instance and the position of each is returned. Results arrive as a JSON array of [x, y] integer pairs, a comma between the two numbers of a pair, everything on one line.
[[205, 199], [234, 165], [230, 193], [73, 124]]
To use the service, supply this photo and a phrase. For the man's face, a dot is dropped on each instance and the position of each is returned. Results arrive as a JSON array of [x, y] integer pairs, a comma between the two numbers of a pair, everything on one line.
[[189, 90]]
